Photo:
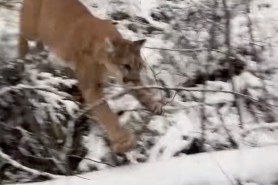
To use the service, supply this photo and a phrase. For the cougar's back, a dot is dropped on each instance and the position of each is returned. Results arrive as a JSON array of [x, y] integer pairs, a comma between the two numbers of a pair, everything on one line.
[[62, 24]]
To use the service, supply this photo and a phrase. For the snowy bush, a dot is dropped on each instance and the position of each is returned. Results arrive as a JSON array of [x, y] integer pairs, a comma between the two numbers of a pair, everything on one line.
[[37, 101]]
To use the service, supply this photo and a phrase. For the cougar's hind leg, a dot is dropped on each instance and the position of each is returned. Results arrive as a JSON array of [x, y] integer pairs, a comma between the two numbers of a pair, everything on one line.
[[23, 47]]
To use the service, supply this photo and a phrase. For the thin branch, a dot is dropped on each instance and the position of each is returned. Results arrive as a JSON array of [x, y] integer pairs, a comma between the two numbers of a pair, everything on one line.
[[182, 89], [231, 139], [206, 69], [24, 168], [176, 49], [166, 108], [99, 162], [128, 90], [256, 55], [229, 53], [231, 179], [265, 126]]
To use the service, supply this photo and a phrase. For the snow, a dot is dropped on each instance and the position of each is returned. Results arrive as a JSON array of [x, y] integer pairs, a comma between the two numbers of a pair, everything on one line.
[[101, 8], [97, 152], [176, 138], [247, 166]]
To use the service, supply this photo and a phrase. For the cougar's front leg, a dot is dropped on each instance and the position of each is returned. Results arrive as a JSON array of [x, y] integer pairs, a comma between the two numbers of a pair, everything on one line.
[[39, 46], [146, 98], [121, 139]]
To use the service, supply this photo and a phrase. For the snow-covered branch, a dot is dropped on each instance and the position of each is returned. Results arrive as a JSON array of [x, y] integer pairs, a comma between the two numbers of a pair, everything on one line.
[[24, 168], [128, 90]]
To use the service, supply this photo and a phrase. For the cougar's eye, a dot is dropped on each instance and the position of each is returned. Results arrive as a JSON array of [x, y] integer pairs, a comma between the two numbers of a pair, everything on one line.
[[126, 67]]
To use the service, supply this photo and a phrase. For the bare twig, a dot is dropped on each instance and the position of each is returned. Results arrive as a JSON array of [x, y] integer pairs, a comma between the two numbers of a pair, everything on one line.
[[264, 126], [258, 59], [128, 90], [93, 160], [176, 49], [231, 139], [231, 179], [229, 47], [183, 89], [207, 68], [24, 168]]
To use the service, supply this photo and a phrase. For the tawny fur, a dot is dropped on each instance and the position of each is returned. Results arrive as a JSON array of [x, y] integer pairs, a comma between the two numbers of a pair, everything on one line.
[[94, 48]]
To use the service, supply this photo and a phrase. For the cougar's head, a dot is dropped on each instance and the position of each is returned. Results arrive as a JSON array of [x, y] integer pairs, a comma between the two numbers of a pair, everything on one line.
[[124, 59]]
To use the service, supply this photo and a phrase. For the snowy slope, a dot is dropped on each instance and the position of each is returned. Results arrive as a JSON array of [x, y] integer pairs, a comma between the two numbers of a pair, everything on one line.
[[219, 168]]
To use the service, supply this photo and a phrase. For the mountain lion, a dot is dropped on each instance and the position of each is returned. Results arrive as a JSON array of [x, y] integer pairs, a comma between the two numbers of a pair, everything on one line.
[[94, 49]]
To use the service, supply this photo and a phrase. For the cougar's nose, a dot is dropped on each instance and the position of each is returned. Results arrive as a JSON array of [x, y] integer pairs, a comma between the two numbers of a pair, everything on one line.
[[126, 80]]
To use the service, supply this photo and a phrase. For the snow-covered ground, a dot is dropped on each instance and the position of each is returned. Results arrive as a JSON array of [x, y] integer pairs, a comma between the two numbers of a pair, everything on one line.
[[252, 166]]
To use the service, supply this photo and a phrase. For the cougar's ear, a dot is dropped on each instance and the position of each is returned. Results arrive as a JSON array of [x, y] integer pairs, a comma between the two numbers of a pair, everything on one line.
[[139, 43], [109, 45]]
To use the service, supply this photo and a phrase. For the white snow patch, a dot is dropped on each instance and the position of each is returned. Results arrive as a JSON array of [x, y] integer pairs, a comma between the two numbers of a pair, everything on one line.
[[176, 138], [217, 168]]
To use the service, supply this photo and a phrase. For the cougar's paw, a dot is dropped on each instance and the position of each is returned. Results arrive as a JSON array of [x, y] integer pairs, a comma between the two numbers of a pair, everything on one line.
[[156, 108], [123, 142]]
